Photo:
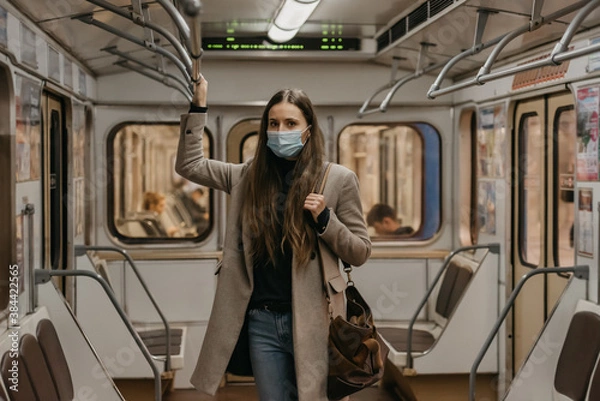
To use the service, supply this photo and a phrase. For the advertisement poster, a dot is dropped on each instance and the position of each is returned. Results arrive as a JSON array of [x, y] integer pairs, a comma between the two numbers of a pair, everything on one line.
[[594, 58], [3, 30], [67, 72], [587, 134], [28, 46], [82, 83], [491, 142], [79, 205], [53, 64], [28, 135], [78, 139], [586, 223], [486, 207]]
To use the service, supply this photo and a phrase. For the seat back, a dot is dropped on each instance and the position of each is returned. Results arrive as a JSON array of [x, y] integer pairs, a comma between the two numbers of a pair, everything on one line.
[[134, 228], [37, 368], [55, 358], [456, 279], [578, 357], [16, 379]]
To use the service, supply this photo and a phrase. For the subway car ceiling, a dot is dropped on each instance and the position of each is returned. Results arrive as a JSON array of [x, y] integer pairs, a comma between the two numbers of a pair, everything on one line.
[[405, 35]]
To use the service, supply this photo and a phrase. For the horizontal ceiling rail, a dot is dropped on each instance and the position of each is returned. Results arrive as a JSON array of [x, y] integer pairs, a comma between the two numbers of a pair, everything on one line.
[[188, 46], [558, 55], [156, 76], [396, 84], [365, 110], [153, 47], [388, 98], [178, 19], [139, 20], [116, 52]]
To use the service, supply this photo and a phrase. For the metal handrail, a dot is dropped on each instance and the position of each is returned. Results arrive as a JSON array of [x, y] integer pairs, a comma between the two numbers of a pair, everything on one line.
[[484, 75], [116, 52], [192, 9], [165, 79], [580, 272], [364, 110], [394, 84], [81, 250], [155, 27], [404, 80], [576, 22], [89, 19], [493, 248], [475, 49], [178, 20], [43, 276]]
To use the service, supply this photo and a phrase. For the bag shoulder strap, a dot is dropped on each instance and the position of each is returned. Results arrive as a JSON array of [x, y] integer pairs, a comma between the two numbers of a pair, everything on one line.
[[320, 184], [347, 267]]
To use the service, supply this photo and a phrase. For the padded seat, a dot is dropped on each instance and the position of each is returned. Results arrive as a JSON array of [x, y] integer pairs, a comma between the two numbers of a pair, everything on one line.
[[43, 371], [398, 337], [155, 341], [578, 357], [25, 392], [37, 368], [55, 358], [159, 333], [455, 281]]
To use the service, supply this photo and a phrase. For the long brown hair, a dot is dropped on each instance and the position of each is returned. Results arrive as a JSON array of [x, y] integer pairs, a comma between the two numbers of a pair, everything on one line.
[[260, 210]]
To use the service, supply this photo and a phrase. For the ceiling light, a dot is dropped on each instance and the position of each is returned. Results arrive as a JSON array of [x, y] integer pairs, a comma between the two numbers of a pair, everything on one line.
[[290, 17]]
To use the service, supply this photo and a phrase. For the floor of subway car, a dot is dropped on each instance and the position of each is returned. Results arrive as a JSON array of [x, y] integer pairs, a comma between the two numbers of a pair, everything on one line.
[[248, 393]]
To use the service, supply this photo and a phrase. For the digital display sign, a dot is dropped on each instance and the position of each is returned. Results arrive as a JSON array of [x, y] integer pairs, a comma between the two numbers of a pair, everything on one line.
[[232, 43]]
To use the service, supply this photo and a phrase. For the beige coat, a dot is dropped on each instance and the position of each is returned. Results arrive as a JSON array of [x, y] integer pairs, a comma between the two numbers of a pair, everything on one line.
[[345, 236]]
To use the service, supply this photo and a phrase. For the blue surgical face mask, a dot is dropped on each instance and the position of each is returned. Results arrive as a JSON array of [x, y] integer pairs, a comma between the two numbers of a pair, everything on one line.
[[286, 143]]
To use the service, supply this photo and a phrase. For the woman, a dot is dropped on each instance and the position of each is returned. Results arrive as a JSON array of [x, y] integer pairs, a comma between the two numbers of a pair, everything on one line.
[[271, 277]]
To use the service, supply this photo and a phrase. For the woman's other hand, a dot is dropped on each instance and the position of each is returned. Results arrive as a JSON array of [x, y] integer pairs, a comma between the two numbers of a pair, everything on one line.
[[315, 203]]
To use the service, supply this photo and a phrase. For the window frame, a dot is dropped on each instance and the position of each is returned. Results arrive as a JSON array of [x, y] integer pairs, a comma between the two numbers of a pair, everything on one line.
[[110, 192], [430, 223]]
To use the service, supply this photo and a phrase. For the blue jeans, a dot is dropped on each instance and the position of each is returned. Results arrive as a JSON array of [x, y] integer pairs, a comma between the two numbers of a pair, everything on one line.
[[272, 355]]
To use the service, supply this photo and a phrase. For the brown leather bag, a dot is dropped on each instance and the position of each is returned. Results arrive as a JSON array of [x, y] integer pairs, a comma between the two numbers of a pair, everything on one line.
[[357, 353]]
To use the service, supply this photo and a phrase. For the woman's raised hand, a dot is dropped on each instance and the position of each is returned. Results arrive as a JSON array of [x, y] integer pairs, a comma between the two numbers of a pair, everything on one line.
[[200, 91]]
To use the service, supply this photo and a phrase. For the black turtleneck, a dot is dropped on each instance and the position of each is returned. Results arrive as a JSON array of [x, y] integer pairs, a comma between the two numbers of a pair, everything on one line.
[[273, 277]]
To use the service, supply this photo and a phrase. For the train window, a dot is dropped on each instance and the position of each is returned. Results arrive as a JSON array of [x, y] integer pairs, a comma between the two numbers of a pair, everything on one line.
[[531, 188], [468, 231], [398, 166], [150, 202], [248, 146], [564, 136]]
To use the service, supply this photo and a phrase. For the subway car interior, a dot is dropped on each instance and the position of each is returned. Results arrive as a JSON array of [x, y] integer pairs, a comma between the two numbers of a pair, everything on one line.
[[474, 122]]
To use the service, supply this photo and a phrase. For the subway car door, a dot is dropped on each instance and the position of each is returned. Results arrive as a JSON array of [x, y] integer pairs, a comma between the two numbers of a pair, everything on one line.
[[544, 212], [54, 183]]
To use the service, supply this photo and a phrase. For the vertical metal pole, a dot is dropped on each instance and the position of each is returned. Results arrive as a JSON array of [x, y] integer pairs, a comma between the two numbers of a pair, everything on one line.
[[29, 211], [192, 8]]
